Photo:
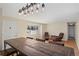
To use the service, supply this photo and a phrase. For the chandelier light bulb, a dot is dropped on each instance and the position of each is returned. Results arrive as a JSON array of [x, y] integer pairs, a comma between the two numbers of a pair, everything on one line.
[[28, 4], [43, 6], [42, 9], [36, 11], [19, 13], [30, 8], [35, 6], [32, 12], [38, 5]]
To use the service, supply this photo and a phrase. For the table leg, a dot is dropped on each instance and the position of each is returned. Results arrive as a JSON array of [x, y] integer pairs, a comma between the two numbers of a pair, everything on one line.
[[5, 46]]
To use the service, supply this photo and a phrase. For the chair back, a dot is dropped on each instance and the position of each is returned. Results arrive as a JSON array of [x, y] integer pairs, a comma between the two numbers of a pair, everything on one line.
[[46, 35], [61, 35]]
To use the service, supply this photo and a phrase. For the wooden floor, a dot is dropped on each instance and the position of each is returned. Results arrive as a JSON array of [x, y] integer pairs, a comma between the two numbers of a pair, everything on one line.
[[72, 44]]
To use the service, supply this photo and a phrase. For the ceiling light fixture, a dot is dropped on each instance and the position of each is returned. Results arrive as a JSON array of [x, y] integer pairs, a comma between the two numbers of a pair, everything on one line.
[[31, 8]]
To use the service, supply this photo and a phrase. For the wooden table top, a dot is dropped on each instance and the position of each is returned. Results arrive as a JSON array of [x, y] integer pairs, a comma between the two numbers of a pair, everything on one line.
[[32, 47]]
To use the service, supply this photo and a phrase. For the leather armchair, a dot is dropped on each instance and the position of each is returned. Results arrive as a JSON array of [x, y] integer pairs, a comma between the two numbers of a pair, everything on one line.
[[46, 36], [57, 38]]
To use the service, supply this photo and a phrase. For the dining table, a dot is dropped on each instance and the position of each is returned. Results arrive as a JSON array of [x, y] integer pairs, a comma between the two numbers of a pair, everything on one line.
[[32, 47]]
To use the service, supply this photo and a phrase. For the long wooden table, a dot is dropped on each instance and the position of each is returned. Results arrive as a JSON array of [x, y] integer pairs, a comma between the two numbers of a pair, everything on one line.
[[31, 47]]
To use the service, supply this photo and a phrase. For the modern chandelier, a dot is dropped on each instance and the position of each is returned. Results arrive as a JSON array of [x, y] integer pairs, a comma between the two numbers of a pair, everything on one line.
[[31, 8]]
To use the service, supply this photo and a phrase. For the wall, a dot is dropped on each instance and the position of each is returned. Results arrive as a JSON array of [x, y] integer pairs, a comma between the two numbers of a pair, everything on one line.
[[77, 34], [20, 24], [21, 28], [17, 28], [0, 33], [44, 29], [55, 28], [0, 29]]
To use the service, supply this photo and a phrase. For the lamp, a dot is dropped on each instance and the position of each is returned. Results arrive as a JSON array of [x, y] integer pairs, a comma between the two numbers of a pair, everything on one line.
[[30, 8]]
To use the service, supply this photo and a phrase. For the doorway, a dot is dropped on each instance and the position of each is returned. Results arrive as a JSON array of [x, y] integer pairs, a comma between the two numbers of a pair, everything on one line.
[[71, 30]]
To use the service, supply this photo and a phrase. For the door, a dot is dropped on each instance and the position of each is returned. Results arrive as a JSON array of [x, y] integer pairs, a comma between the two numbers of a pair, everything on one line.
[[71, 31]]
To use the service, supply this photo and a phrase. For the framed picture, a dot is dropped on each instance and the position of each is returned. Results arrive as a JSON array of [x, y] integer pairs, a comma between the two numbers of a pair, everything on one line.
[[32, 28]]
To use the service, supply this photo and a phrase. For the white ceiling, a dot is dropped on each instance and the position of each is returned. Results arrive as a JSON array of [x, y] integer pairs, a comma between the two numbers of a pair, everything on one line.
[[52, 12]]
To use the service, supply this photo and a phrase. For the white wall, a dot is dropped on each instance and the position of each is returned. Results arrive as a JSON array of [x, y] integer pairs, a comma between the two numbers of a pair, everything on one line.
[[18, 28], [44, 29], [0, 11], [0, 34], [0, 29], [9, 30], [77, 34], [55, 28]]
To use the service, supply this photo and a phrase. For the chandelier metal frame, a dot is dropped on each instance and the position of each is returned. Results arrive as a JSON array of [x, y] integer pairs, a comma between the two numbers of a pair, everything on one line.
[[29, 8]]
